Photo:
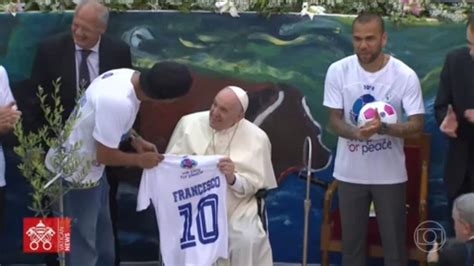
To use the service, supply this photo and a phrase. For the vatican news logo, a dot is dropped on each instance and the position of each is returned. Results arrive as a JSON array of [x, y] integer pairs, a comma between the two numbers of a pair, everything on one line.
[[46, 235], [427, 234]]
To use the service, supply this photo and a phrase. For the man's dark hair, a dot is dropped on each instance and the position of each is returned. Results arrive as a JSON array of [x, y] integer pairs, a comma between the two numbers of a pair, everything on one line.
[[166, 80], [366, 17]]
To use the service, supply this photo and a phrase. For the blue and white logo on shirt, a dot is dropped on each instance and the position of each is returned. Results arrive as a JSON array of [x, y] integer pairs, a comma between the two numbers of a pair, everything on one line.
[[357, 106]]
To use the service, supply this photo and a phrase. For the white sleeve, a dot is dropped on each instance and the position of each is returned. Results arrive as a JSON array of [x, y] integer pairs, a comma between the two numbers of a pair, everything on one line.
[[6, 96], [412, 100], [257, 172], [238, 186], [332, 89], [111, 120], [144, 196]]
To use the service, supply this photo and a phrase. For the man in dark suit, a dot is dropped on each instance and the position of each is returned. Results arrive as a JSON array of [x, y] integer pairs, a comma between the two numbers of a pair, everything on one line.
[[78, 57], [453, 253], [454, 110], [62, 55], [459, 251]]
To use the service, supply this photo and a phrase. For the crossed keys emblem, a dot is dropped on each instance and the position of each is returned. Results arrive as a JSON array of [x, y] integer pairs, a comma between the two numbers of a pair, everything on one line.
[[40, 234]]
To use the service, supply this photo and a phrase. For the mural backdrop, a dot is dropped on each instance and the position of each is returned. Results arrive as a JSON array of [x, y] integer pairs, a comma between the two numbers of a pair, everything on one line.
[[281, 61]]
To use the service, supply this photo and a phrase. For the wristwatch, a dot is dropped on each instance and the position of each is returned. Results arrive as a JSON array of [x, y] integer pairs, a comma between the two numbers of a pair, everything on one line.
[[383, 129]]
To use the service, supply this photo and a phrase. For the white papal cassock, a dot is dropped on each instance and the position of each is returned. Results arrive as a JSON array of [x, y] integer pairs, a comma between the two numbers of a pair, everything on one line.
[[249, 148]]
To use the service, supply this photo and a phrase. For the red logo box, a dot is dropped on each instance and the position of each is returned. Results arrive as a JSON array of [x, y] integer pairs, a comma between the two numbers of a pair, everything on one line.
[[46, 235]]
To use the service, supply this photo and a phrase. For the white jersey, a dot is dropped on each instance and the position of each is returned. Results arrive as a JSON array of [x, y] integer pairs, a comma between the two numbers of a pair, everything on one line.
[[107, 111], [189, 196], [379, 160], [6, 97]]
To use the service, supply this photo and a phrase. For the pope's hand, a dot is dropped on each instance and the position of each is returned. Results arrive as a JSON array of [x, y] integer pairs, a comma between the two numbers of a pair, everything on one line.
[[449, 126], [227, 167]]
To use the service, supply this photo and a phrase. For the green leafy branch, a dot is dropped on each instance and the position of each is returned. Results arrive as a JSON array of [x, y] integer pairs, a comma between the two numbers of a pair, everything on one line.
[[64, 160]]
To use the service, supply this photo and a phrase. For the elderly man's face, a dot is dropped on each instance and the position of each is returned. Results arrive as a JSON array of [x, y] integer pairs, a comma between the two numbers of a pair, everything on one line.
[[87, 27], [225, 110], [461, 228]]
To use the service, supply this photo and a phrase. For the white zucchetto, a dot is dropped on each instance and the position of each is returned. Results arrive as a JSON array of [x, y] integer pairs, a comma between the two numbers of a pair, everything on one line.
[[241, 95]]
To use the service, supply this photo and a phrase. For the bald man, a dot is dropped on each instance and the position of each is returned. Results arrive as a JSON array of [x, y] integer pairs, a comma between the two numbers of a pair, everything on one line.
[[79, 55], [223, 130], [459, 251]]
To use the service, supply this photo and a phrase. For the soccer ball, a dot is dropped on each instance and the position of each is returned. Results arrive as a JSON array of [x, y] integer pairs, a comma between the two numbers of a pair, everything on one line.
[[387, 113]]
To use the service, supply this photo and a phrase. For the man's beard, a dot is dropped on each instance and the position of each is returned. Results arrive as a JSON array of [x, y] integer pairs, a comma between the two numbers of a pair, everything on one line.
[[371, 59]]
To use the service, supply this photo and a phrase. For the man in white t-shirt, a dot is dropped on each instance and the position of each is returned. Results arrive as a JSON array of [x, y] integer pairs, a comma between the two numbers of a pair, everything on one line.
[[370, 162], [247, 167], [8, 117], [189, 196], [107, 112]]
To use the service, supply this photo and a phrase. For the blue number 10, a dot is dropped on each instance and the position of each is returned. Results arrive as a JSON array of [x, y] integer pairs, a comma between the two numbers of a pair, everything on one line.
[[205, 236]]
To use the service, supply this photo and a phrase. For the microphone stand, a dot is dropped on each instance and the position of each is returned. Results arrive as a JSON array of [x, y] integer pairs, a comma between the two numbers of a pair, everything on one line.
[[307, 159]]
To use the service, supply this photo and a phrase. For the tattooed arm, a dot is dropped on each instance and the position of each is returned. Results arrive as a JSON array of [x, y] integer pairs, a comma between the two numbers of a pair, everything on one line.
[[412, 128]]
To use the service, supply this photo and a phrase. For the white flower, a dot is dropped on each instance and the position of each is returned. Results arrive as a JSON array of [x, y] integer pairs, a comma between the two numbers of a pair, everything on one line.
[[227, 6], [13, 8], [311, 10]]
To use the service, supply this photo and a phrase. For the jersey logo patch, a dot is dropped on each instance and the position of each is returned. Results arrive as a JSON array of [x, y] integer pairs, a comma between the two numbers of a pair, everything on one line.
[[187, 163]]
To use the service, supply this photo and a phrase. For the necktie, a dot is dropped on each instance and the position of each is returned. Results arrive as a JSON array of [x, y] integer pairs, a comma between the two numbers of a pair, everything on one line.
[[84, 77]]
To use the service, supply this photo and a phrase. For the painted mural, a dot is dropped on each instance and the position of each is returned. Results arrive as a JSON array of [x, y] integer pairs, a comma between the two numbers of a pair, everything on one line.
[[280, 60]]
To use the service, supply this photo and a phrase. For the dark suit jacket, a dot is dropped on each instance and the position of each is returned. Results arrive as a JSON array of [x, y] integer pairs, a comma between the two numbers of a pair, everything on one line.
[[55, 57], [454, 253], [457, 88]]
